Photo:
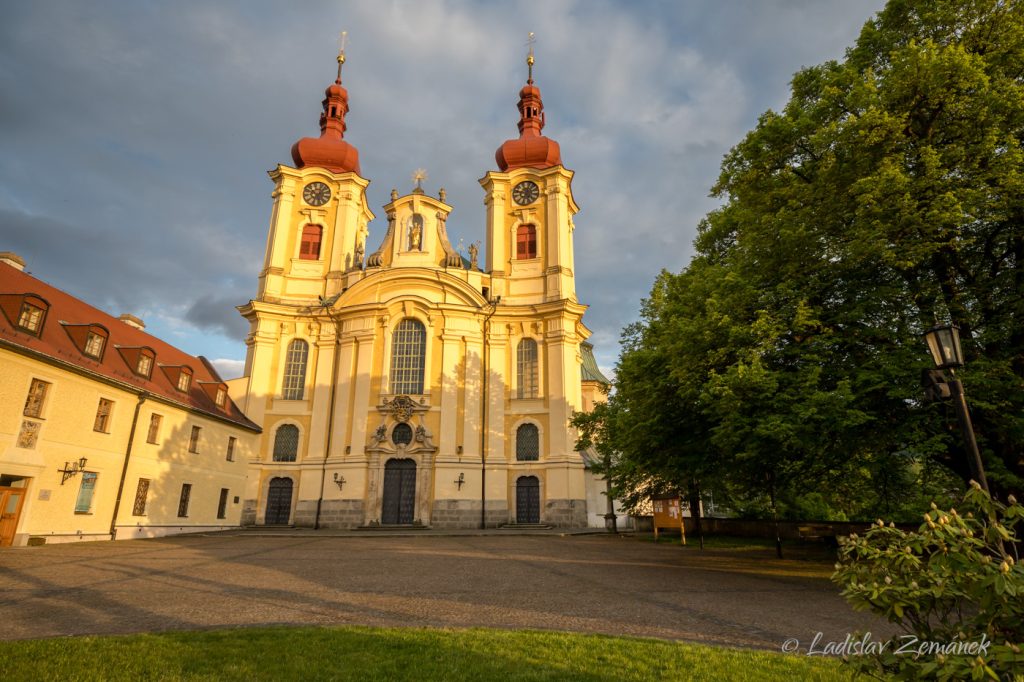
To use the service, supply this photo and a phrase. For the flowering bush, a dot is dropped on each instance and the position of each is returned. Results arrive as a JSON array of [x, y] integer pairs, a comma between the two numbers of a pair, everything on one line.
[[955, 587]]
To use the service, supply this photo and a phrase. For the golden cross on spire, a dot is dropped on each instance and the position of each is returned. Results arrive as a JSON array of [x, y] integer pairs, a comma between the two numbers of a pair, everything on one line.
[[529, 58], [418, 176], [341, 51]]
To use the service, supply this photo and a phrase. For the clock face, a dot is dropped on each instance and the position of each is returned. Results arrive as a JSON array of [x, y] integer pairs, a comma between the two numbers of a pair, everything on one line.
[[525, 193], [316, 194]]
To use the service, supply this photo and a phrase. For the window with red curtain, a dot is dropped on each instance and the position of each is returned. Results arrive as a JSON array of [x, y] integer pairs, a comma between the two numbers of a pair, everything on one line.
[[310, 248], [526, 242]]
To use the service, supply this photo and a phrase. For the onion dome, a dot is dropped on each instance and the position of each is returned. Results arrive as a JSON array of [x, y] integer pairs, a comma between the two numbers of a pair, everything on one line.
[[329, 150], [531, 150]]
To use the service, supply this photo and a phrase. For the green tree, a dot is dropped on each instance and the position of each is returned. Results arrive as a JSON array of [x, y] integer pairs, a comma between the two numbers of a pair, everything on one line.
[[888, 194]]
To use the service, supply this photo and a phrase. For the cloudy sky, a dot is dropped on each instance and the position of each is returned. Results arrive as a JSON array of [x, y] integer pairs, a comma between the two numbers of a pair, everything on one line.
[[135, 136]]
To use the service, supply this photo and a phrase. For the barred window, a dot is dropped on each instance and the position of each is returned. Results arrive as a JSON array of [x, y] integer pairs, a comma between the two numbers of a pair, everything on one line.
[[193, 439], [295, 370], [141, 493], [526, 368], [527, 443], [286, 443], [231, 448], [102, 423], [36, 397], [408, 357], [154, 427], [186, 492]]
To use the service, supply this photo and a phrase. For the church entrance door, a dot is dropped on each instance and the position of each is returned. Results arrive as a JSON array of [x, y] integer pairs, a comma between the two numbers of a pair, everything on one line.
[[399, 503], [528, 500], [279, 501]]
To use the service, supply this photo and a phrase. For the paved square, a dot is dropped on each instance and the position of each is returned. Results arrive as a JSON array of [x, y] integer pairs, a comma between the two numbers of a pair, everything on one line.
[[600, 584]]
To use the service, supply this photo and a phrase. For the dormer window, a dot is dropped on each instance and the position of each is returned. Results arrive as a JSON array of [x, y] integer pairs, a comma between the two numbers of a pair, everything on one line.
[[184, 380], [217, 392], [138, 358], [31, 317], [94, 345], [89, 339], [144, 366]]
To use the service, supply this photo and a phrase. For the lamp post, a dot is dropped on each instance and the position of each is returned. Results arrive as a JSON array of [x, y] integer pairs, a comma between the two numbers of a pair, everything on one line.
[[944, 344]]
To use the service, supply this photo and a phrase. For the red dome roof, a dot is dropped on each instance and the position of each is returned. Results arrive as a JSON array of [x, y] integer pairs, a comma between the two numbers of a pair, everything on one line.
[[329, 150], [531, 150]]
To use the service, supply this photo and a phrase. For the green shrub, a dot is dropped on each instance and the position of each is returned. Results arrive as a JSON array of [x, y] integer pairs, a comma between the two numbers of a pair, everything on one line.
[[954, 582]]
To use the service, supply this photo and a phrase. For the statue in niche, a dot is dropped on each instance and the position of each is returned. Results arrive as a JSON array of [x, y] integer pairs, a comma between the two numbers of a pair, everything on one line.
[[416, 232], [360, 250], [474, 251]]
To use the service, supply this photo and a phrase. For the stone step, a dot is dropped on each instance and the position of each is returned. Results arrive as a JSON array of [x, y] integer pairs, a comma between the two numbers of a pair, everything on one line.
[[397, 526], [524, 526]]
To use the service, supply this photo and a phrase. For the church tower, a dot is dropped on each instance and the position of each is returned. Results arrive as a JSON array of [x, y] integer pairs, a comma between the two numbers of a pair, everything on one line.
[[529, 211], [409, 385], [318, 223]]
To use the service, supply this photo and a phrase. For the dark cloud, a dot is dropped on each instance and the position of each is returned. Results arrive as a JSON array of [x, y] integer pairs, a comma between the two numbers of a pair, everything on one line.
[[135, 136], [218, 314]]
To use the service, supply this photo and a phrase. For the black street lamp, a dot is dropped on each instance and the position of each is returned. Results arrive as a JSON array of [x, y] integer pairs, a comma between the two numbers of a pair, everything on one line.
[[944, 344]]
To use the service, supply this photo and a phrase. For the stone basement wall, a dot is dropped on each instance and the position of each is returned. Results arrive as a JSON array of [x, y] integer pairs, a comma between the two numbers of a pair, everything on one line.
[[565, 513], [249, 513], [447, 514], [333, 513]]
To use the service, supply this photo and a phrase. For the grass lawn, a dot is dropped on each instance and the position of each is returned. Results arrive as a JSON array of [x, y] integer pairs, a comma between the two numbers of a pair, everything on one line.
[[309, 653]]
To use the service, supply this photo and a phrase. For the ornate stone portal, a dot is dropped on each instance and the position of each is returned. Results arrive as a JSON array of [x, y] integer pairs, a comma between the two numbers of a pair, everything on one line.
[[396, 438]]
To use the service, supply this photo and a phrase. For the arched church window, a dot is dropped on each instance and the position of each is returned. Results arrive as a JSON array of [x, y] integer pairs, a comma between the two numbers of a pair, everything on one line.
[[408, 357], [309, 249], [286, 443], [527, 443], [526, 369], [526, 242], [295, 370]]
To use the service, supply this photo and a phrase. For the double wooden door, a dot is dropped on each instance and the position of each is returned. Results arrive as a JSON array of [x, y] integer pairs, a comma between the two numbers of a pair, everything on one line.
[[399, 503], [528, 500], [279, 501]]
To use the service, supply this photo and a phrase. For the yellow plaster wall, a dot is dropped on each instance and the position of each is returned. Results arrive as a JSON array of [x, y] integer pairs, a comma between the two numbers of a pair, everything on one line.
[[67, 434]]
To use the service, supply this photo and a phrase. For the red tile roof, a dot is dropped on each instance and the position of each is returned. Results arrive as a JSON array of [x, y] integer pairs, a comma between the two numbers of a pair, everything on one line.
[[57, 346]]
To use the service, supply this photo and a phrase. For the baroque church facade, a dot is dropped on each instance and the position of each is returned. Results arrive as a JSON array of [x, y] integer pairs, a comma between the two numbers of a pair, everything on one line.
[[408, 385]]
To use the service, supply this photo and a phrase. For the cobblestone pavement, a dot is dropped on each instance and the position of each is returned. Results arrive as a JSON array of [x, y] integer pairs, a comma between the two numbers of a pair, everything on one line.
[[595, 583]]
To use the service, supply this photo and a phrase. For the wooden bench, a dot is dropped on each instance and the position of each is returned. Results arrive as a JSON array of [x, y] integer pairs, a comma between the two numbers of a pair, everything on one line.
[[819, 531]]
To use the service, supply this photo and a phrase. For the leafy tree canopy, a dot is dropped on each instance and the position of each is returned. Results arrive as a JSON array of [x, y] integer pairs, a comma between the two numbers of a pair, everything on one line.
[[786, 358]]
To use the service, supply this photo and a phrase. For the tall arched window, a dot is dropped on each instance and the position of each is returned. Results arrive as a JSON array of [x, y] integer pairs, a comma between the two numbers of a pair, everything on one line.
[[526, 368], [309, 249], [408, 357], [286, 443], [526, 242], [527, 443], [295, 370]]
